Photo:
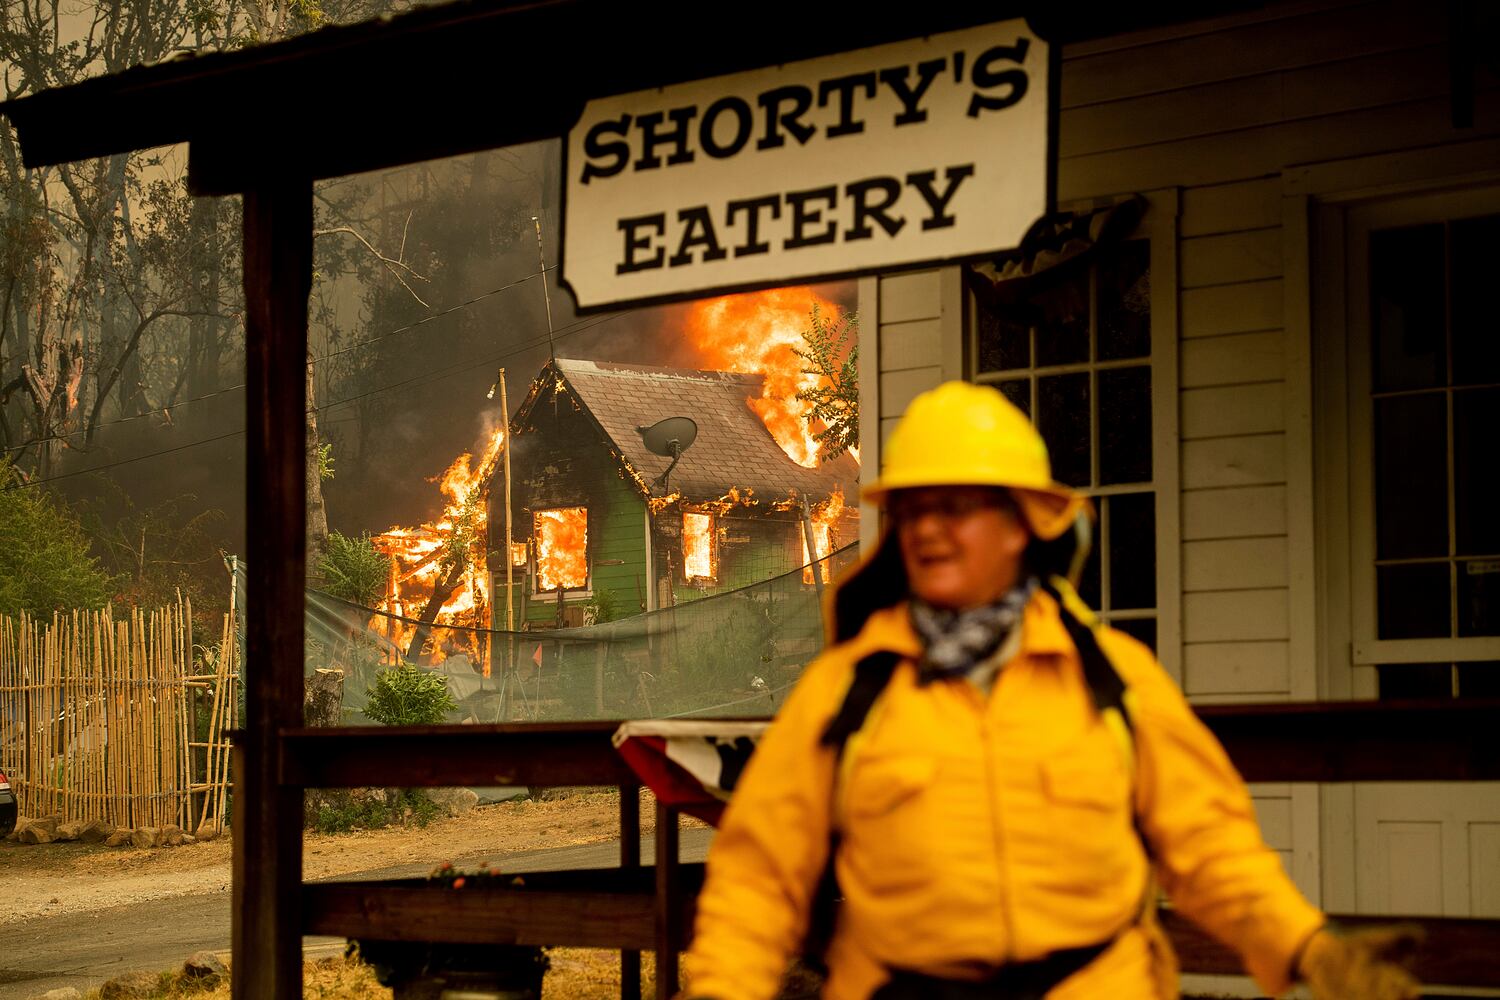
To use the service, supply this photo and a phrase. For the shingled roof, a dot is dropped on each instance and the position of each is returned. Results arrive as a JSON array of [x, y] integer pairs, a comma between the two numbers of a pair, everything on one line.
[[733, 448]]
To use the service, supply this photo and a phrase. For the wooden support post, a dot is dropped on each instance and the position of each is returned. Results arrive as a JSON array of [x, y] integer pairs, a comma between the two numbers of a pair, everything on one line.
[[668, 888], [630, 858], [267, 932]]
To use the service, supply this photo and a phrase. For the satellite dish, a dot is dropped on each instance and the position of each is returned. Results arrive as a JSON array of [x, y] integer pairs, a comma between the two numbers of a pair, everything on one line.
[[669, 438]]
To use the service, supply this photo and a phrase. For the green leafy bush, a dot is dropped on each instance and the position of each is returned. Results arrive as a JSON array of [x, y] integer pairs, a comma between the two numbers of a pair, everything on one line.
[[353, 569], [356, 809], [45, 565], [409, 696]]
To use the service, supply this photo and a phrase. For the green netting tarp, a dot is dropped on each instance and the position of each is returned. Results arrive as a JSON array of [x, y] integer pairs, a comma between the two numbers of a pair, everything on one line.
[[731, 654]]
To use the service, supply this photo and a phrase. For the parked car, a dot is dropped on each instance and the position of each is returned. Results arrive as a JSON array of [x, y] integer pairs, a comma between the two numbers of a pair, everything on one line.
[[7, 806]]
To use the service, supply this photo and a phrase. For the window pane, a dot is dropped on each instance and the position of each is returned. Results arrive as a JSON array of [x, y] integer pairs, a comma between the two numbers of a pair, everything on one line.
[[561, 538], [1125, 302], [1018, 391], [1132, 551], [1475, 323], [1125, 425], [1479, 597], [1064, 423], [1415, 680], [1406, 307], [1004, 342], [1062, 336], [1143, 629], [1089, 585], [1476, 471], [1413, 601], [1479, 680], [1411, 476]]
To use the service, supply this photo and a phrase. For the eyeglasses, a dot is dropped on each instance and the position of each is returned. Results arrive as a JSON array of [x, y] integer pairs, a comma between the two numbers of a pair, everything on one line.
[[948, 504]]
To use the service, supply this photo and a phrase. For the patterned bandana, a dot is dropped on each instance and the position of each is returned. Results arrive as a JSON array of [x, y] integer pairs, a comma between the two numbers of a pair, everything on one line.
[[957, 641]]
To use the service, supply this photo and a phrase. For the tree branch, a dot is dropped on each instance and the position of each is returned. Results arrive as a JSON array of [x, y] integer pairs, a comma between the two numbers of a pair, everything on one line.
[[391, 264]]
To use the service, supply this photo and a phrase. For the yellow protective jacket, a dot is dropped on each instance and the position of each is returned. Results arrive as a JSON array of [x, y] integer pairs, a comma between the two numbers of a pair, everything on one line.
[[978, 831]]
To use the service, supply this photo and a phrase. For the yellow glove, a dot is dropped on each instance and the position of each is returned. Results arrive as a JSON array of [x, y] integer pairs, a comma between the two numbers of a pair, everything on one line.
[[1368, 964]]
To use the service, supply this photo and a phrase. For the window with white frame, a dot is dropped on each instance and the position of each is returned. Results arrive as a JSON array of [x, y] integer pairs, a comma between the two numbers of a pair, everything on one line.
[[1424, 409], [700, 547], [560, 545], [1076, 356]]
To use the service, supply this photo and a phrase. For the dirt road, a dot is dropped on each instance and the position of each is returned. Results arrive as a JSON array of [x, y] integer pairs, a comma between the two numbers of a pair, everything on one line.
[[83, 915]]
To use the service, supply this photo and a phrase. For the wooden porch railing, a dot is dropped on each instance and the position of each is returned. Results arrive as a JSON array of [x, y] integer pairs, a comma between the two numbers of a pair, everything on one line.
[[635, 910]]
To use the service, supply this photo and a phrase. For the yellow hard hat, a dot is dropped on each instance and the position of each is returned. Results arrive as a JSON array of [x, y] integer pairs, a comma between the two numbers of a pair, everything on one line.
[[961, 434]]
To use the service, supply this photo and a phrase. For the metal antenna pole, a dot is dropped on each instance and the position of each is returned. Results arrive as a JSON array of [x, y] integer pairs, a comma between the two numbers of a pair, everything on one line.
[[541, 260]]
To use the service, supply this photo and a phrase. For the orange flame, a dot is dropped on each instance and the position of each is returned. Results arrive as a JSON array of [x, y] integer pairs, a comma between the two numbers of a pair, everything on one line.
[[418, 559], [562, 548], [697, 546], [824, 519], [757, 334]]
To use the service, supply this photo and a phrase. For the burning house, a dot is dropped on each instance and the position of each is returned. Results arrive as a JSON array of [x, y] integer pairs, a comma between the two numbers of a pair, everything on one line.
[[597, 523]]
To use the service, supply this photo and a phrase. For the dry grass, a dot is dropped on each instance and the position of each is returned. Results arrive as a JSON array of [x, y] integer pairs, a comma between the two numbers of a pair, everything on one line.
[[576, 974]]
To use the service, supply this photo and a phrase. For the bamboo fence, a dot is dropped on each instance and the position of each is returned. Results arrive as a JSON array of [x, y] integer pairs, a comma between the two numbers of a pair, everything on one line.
[[100, 717]]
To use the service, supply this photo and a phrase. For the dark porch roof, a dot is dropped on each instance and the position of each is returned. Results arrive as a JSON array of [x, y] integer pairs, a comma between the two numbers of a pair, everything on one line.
[[733, 449], [471, 75]]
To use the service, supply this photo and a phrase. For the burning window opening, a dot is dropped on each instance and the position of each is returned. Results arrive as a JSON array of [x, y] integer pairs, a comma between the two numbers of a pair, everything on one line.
[[518, 554], [439, 570], [561, 537], [824, 517], [699, 551], [760, 333]]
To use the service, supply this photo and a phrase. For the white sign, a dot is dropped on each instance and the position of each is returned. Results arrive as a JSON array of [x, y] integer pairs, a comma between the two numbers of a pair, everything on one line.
[[919, 151]]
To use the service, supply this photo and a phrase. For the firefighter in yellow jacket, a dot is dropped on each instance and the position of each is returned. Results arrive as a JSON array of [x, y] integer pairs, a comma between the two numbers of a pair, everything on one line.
[[993, 830]]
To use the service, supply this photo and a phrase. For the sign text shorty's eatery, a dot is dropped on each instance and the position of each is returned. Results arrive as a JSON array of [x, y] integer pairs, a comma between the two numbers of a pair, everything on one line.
[[917, 151]]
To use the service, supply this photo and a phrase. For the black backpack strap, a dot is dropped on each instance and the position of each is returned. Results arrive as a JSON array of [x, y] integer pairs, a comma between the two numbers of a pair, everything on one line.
[[871, 675], [1104, 682]]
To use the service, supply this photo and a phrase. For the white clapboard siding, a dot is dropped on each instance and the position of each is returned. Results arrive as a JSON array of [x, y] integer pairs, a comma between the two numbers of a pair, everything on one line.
[[1229, 258], [1234, 615], [1238, 461], [1245, 307], [1234, 409], [1218, 668], [899, 388], [1241, 512], [906, 297], [1234, 564], [1247, 102], [1278, 43], [1232, 207], [1233, 359], [1258, 151], [913, 344], [1274, 813]]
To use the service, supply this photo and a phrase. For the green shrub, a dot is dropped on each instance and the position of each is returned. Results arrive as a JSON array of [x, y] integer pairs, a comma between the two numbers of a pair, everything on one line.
[[409, 696], [45, 565], [345, 811], [353, 569]]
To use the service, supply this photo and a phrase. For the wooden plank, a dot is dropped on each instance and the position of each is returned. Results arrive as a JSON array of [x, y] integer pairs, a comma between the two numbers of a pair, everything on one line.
[[1251, 101], [1234, 615], [1274, 815], [1233, 358], [917, 295], [265, 933], [1254, 255], [1234, 564], [1225, 411], [1187, 29], [1245, 51], [913, 344], [1214, 668], [1240, 512], [630, 858], [437, 756], [1268, 149], [1234, 461], [1228, 208], [1454, 952], [669, 935], [1237, 308], [898, 389]]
